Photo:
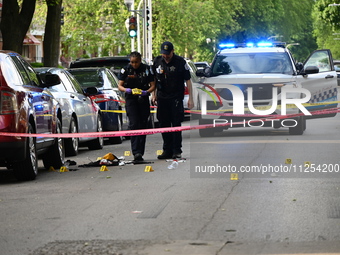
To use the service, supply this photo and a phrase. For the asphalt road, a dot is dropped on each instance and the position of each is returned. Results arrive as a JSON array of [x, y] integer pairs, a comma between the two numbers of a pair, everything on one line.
[[129, 211]]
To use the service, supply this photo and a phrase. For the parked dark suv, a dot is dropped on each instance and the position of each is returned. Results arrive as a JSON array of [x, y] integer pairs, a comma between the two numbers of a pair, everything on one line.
[[115, 63], [25, 107]]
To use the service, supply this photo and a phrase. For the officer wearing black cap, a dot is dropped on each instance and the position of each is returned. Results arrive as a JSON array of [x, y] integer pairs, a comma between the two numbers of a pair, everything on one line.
[[137, 81], [172, 72]]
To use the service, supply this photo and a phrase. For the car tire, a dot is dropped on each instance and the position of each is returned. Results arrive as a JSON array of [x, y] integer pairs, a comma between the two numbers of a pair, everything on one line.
[[27, 169], [72, 144], [299, 128], [98, 143], [55, 156], [117, 139]]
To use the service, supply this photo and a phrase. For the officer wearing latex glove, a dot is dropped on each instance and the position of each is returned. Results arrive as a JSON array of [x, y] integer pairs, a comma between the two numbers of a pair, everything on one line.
[[137, 81]]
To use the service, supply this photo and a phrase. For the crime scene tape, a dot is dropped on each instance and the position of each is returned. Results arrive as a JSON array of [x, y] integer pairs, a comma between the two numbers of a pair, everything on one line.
[[160, 130], [209, 112]]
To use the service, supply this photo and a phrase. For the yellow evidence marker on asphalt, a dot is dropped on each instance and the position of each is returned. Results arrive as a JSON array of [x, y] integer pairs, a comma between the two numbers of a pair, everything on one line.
[[307, 163], [234, 177], [148, 169], [288, 161], [127, 153], [103, 169], [51, 169], [159, 152], [63, 169]]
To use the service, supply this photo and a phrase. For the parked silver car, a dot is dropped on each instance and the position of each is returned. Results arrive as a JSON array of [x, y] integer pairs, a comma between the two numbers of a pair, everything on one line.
[[79, 113]]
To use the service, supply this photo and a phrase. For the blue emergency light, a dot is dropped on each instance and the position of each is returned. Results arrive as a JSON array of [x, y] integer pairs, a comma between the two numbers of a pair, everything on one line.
[[251, 45]]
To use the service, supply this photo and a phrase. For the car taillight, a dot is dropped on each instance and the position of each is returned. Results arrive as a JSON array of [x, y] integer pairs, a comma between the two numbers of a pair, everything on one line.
[[99, 98], [8, 103], [186, 90]]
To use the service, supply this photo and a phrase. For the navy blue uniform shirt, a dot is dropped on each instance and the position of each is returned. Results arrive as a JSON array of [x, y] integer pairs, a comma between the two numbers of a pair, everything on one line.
[[171, 77]]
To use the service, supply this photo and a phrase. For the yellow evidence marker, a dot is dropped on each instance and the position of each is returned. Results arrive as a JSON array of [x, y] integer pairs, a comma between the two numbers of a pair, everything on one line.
[[159, 152], [148, 169], [127, 153], [234, 177], [103, 169], [51, 169], [63, 169], [288, 161]]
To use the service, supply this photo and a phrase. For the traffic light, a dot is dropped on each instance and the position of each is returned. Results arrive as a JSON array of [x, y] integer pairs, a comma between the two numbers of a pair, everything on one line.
[[147, 19], [132, 26], [62, 16]]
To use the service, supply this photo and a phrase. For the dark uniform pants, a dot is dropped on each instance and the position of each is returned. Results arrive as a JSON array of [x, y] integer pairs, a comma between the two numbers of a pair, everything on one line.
[[170, 113], [138, 112]]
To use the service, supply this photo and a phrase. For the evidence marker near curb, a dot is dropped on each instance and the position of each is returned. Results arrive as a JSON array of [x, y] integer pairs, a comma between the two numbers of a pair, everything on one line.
[[148, 169], [127, 153], [307, 163], [159, 152]]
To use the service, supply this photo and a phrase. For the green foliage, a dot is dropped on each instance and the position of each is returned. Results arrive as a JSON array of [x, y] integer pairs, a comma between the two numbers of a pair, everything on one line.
[[196, 27], [36, 64], [327, 26]]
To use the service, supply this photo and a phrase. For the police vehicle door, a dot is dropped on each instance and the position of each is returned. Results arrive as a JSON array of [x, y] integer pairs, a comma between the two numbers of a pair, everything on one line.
[[323, 84]]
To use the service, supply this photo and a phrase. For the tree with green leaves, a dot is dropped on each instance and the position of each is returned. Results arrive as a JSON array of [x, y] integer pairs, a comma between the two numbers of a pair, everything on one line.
[[15, 21], [97, 28], [52, 33], [327, 26]]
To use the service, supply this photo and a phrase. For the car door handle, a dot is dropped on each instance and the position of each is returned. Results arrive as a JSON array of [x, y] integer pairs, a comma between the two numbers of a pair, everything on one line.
[[71, 96], [44, 97], [84, 99], [329, 76]]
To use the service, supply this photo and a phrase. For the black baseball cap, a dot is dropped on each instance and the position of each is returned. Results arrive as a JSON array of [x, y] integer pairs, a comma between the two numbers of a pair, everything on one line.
[[166, 48]]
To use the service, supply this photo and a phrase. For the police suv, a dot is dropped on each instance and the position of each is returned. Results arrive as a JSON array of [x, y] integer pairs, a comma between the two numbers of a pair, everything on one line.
[[252, 85]]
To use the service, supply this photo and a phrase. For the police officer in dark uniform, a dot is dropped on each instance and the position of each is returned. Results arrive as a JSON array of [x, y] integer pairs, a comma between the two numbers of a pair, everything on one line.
[[137, 81], [172, 72]]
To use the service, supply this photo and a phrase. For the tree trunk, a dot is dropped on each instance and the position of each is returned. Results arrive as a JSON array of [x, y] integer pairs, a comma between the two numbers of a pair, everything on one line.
[[15, 22], [52, 33]]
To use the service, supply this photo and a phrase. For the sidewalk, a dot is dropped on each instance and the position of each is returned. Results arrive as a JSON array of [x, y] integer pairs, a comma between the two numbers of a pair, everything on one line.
[[220, 248]]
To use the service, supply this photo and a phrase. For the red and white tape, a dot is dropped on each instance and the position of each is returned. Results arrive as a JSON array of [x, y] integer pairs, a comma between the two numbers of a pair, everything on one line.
[[167, 129]]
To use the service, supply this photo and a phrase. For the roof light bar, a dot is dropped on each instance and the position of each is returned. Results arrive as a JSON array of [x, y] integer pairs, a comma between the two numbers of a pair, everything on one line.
[[227, 45], [251, 44], [265, 44]]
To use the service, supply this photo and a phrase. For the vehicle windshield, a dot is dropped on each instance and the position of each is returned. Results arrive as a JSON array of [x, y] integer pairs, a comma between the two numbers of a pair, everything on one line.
[[89, 78], [252, 63]]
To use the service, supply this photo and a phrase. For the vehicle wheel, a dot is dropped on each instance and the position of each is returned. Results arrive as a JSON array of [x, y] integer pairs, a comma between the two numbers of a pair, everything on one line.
[[55, 156], [117, 139], [98, 143], [28, 168], [72, 144], [299, 128]]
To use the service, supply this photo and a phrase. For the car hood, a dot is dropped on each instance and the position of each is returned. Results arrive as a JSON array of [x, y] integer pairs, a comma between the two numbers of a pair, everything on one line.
[[249, 79]]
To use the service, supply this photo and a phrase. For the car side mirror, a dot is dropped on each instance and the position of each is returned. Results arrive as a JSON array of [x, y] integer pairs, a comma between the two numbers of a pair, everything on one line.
[[311, 69], [204, 72], [51, 79]]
